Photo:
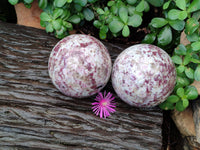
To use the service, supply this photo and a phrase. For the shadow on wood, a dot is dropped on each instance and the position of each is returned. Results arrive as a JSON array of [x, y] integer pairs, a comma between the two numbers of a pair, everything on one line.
[[35, 115]]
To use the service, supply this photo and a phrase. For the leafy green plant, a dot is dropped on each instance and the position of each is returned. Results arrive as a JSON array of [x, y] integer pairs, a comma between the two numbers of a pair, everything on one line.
[[59, 16], [27, 3], [116, 18], [179, 15], [113, 18]]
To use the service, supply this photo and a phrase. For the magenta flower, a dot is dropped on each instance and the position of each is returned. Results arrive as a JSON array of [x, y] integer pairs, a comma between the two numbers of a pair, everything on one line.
[[104, 105]]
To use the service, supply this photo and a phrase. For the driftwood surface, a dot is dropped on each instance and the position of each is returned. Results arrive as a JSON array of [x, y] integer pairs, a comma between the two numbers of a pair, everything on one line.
[[196, 118], [35, 115]]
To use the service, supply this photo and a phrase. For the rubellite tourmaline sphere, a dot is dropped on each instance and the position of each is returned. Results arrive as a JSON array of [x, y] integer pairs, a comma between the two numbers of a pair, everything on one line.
[[79, 65], [143, 75]]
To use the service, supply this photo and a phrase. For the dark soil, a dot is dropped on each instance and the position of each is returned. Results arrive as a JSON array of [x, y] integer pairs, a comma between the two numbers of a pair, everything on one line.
[[172, 139]]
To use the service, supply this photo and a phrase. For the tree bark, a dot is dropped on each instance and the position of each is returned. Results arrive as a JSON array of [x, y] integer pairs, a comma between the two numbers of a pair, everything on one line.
[[35, 115]]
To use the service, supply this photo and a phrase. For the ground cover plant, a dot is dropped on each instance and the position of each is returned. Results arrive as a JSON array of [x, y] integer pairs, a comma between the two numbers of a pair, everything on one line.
[[117, 18]]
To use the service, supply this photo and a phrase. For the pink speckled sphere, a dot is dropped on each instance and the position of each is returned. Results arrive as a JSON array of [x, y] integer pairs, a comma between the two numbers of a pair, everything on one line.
[[143, 75], [79, 65]]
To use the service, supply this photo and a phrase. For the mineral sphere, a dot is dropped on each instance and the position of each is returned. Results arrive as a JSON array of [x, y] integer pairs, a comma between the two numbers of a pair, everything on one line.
[[79, 65], [143, 75]]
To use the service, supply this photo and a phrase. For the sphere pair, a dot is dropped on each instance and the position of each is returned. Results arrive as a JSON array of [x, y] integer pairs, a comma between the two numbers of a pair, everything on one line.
[[143, 75]]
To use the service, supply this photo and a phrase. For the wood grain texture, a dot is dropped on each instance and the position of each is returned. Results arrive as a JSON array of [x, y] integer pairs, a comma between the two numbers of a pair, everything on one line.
[[196, 118], [35, 115]]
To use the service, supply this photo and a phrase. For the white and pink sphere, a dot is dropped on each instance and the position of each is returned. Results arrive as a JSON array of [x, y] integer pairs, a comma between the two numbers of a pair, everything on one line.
[[143, 75], [79, 65]]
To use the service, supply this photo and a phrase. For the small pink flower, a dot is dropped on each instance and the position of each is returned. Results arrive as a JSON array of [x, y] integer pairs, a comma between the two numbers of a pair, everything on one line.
[[104, 105]]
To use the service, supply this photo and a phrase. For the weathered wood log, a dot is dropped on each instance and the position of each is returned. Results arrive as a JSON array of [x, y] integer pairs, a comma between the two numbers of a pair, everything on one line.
[[35, 115], [196, 118]]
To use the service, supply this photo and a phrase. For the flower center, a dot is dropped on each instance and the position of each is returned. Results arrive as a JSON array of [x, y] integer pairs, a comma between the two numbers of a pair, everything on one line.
[[104, 102]]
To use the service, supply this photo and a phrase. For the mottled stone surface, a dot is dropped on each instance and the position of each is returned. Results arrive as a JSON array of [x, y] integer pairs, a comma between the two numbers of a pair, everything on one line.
[[143, 75], [79, 65]]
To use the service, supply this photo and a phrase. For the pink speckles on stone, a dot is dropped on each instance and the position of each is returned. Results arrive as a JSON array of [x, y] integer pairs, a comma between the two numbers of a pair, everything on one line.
[[143, 75], [79, 65]]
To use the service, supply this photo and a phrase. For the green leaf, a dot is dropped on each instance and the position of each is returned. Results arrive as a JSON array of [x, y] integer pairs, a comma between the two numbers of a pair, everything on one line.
[[123, 14], [57, 24], [181, 4], [182, 15], [80, 2], [60, 3], [177, 24], [191, 26], [131, 2], [180, 92], [131, 10], [97, 23], [141, 6], [173, 99], [100, 11], [114, 9], [88, 14], [57, 12], [74, 19], [183, 81], [13, 2], [194, 6], [173, 14], [180, 69], [196, 46], [186, 59], [102, 35], [135, 20], [179, 106], [116, 26], [146, 6], [185, 103], [158, 22], [126, 31], [110, 3], [156, 3], [180, 50], [109, 19], [42, 23], [197, 73], [104, 29], [189, 72], [42, 4], [191, 92], [165, 36], [28, 1], [49, 28], [166, 5], [78, 7], [196, 15], [67, 24], [45, 17], [65, 15], [61, 31], [166, 105], [177, 59], [149, 38], [193, 37], [196, 61]]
